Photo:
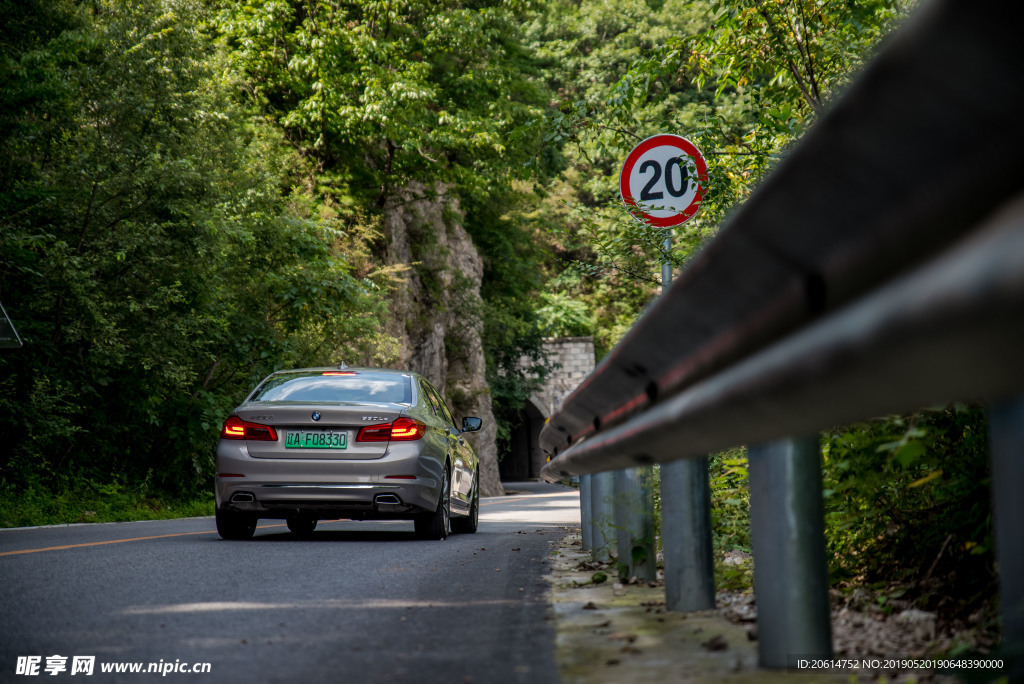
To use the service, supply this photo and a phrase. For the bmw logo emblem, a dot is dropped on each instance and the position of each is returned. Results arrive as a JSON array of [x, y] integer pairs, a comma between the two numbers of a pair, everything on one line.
[[316, 415]]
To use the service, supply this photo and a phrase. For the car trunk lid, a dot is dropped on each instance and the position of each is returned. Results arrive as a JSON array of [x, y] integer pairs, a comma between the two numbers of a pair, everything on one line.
[[317, 431]]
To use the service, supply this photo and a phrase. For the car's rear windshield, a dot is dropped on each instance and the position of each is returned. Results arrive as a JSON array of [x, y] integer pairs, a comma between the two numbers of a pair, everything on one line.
[[355, 386]]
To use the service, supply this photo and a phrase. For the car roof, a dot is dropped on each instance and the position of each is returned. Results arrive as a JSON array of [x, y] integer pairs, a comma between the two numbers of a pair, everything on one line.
[[369, 369]]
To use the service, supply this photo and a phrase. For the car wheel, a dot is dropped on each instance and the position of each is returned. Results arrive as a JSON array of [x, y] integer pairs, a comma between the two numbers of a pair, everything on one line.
[[301, 525], [235, 525], [438, 525], [469, 524]]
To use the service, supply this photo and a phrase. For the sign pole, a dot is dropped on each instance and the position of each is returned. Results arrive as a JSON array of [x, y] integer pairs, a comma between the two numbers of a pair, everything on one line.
[[662, 184], [686, 520]]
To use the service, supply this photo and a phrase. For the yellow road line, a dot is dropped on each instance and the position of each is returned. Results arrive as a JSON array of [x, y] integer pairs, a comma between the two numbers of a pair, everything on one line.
[[115, 541]]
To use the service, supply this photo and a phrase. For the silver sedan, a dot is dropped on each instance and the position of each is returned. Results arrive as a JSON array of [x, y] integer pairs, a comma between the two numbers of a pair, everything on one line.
[[357, 443]]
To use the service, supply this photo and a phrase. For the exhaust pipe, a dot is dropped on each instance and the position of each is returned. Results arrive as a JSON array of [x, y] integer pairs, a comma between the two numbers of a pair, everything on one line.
[[242, 497], [387, 500]]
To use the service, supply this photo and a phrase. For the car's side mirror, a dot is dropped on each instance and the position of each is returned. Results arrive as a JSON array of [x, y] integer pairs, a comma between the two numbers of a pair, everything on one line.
[[471, 424]]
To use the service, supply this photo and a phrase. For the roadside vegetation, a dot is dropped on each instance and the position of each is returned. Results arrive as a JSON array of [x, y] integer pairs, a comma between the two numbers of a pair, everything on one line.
[[93, 502], [907, 498], [192, 195]]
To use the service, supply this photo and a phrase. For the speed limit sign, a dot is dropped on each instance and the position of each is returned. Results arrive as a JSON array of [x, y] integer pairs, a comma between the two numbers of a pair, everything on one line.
[[662, 179]]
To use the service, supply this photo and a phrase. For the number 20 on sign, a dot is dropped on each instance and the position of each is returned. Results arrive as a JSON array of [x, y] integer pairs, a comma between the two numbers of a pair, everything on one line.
[[662, 180]]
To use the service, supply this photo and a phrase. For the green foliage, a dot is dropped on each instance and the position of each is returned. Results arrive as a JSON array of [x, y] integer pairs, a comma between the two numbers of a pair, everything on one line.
[[739, 78], [562, 316], [516, 365], [412, 98], [154, 256], [600, 116], [192, 196], [730, 500], [906, 498], [907, 501], [909, 497], [112, 501], [801, 53], [385, 93], [512, 339], [608, 259]]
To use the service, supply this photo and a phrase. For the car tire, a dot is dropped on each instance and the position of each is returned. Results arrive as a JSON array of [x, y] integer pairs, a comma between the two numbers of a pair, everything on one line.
[[470, 523], [301, 525], [438, 525], [232, 525]]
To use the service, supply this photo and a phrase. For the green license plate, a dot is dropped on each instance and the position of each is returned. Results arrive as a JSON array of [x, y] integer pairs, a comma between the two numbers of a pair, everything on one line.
[[307, 439]]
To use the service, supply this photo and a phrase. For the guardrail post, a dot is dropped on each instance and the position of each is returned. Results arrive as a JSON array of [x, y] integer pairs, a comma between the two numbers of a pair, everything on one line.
[[601, 514], [586, 519], [634, 523], [788, 539], [686, 535], [1006, 435]]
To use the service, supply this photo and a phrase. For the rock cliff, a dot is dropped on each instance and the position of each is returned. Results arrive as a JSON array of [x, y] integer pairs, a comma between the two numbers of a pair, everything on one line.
[[436, 311]]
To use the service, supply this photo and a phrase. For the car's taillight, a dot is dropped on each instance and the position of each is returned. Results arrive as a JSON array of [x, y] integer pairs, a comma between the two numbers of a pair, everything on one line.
[[401, 430], [236, 428], [233, 428], [407, 430]]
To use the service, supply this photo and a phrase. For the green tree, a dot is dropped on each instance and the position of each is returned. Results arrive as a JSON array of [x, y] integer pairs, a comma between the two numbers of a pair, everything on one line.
[[385, 93], [400, 98], [153, 254], [743, 80]]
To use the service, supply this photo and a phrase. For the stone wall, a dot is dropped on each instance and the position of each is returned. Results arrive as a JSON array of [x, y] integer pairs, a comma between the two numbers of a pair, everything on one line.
[[575, 356]]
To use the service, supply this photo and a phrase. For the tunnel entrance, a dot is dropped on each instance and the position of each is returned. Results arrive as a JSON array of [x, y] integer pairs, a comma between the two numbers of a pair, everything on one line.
[[571, 359], [524, 458]]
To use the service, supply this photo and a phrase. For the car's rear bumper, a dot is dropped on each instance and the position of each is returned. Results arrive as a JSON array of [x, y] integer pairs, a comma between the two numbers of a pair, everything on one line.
[[400, 484]]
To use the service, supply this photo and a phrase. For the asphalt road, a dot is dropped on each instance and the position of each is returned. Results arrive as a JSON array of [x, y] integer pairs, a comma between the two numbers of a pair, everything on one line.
[[357, 602]]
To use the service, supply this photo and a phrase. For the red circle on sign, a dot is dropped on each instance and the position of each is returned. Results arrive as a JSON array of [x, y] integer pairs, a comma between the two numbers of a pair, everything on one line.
[[675, 142]]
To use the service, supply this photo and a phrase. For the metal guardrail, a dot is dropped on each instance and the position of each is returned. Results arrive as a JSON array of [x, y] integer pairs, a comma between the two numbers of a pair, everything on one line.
[[879, 269], [952, 330]]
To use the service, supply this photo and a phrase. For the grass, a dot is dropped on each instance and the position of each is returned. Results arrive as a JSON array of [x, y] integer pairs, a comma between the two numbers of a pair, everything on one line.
[[93, 502]]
